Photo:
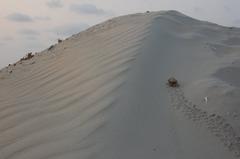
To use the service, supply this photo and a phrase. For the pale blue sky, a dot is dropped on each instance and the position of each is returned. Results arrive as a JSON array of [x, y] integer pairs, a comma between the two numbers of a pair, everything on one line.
[[33, 25]]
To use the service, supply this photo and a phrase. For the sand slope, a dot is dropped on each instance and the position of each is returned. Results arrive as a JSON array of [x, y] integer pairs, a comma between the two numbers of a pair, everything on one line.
[[102, 93]]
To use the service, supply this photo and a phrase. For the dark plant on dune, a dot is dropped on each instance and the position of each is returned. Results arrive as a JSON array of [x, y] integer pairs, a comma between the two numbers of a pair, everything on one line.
[[27, 57], [59, 40]]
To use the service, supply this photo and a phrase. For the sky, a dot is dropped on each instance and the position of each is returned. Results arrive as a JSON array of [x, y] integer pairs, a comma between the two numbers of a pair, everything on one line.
[[34, 25]]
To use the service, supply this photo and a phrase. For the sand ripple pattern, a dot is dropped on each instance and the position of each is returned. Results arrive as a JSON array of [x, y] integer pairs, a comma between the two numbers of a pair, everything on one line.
[[59, 107], [216, 124]]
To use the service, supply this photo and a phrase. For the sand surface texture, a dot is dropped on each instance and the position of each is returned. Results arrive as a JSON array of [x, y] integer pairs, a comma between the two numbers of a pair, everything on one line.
[[102, 93]]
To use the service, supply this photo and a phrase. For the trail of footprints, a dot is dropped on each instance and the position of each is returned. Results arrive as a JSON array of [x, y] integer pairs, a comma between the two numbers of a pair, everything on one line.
[[216, 124]]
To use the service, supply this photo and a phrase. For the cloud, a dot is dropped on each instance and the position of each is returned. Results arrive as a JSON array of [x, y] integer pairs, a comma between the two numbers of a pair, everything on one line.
[[8, 38], [19, 17], [31, 38], [68, 30], [227, 8], [55, 4], [236, 22], [198, 10], [42, 18], [29, 32], [87, 9]]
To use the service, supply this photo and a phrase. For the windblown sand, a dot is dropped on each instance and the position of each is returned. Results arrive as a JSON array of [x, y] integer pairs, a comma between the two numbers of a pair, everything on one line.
[[102, 93]]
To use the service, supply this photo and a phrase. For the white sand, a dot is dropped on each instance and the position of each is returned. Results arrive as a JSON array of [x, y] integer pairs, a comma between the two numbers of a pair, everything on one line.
[[102, 93]]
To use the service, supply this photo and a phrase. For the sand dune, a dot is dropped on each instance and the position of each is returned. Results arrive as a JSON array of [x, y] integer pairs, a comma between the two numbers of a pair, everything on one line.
[[102, 93]]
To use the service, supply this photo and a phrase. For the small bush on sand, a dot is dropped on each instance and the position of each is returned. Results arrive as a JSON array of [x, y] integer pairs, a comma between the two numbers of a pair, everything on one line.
[[30, 55], [59, 40]]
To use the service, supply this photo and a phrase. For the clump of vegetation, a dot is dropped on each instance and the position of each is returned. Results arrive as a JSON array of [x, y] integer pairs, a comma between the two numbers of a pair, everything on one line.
[[59, 40], [147, 11], [27, 57], [53, 46]]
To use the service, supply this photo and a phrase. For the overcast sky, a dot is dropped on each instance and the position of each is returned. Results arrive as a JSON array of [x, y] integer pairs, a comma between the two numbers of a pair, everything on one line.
[[33, 25]]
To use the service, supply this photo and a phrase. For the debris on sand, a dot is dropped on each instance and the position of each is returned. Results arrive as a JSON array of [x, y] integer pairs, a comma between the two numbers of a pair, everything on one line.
[[172, 82], [206, 99]]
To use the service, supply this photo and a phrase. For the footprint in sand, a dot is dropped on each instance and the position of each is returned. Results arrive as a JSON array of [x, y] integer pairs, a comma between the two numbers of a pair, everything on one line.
[[216, 124]]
